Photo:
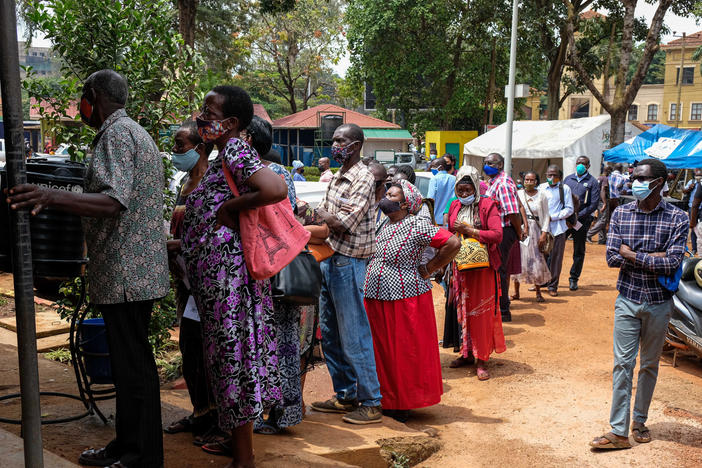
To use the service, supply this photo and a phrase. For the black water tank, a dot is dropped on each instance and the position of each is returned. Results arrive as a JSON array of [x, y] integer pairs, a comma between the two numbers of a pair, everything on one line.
[[58, 248], [329, 124]]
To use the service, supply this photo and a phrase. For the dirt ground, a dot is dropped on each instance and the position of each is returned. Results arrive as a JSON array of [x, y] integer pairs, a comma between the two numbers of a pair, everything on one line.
[[549, 394]]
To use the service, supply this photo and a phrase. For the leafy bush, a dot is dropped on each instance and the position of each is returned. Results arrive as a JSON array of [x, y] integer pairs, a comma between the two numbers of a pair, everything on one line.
[[59, 355]]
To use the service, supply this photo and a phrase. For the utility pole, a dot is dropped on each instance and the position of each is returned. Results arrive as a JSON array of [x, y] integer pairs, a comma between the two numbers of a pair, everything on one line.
[[678, 108], [22, 243], [510, 97]]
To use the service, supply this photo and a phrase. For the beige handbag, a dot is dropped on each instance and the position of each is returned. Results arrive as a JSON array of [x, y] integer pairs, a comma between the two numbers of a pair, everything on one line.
[[473, 254]]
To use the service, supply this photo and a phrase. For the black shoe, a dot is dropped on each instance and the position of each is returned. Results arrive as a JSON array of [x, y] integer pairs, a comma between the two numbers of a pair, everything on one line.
[[335, 405], [573, 285], [602, 242], [99, 457], [506, 317]]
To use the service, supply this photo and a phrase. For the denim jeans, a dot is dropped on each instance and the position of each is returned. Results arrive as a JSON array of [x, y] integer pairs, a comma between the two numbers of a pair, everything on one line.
[[346, 336], [634, 325]]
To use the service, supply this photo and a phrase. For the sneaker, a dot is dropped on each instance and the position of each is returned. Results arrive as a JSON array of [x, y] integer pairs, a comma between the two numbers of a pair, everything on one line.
[[335, 405], [364, 415]]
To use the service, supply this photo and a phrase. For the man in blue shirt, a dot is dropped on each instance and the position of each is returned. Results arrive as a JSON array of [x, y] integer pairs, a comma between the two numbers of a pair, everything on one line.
[[586, 188], [441, 187], [560, 206], [646, 240]]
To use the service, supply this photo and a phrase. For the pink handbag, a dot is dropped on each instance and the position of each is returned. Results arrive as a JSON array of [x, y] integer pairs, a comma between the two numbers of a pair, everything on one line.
[[271, 237]]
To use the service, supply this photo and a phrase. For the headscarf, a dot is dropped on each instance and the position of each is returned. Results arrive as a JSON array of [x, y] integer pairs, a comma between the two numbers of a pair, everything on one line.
[[297, 164], [469, 174], [413, 196]]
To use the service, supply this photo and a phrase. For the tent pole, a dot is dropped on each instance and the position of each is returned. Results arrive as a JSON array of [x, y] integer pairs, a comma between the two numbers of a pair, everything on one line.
[[22, 246], [510, 97]]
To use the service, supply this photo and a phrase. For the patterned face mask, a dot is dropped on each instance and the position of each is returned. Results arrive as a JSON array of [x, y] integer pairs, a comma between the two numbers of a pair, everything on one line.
[[341, 154], [210, 130]]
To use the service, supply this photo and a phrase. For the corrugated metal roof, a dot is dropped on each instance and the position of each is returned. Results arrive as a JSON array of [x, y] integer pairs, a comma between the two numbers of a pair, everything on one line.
[[308, 118], [387, 133]]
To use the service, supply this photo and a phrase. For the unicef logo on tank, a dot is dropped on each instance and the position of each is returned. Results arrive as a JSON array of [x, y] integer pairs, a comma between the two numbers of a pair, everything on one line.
[[75, 188]]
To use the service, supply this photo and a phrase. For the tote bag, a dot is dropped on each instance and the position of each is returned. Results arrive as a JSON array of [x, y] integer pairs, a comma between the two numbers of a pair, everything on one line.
[[271, 237]]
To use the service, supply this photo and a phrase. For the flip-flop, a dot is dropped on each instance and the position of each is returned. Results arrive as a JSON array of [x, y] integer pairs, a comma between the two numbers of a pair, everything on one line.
[[540, 299], [266, 429], [533, 288], [553, 293], [462, 362], [641, 434], [612, 442], [482, 373], [182, 425], [219, 447], [514, 297]]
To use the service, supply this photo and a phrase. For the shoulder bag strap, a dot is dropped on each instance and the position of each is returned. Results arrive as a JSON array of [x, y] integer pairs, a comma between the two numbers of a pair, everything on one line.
[[230, 179]]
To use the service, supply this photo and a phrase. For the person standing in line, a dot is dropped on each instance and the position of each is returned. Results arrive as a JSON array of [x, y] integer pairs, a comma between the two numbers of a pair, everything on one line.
[[646, 240], [298, 171], [603, 213], [502, 189], [617, 180], [560, 205], [325, 174], [440, 187], [691, 189], [122, 210], [346, 336], [585, 187], [450, 163]]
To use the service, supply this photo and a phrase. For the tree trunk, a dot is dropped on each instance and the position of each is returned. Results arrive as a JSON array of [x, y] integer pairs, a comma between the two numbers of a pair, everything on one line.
[[187, 10], [617, 127], [608, 63], [553, 95], [491, 85]]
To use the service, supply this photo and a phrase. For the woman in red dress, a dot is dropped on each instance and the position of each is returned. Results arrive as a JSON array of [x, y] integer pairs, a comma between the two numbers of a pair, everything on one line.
[[475, 292], [399, 303]]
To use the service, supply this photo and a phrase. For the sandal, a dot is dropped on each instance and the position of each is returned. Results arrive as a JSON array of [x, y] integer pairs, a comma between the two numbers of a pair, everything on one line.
[[482, 373], [213, 435], [610, 441], [182, 425], [552, 293], [462, 362], [641, 433], [219, 447], [540, 298], [514, 297], [266, 428]]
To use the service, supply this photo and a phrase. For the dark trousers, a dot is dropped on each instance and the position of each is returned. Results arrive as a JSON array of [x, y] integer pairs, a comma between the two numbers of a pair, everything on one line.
[[693, 234], [194, 371], [139, 441], [600, 225], [555, 261], [509, 237], [579, 242]]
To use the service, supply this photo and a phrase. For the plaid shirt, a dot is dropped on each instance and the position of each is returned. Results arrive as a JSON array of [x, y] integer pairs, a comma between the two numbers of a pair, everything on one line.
[[349, 197], [503, 190], [615, 180], [662, 230]]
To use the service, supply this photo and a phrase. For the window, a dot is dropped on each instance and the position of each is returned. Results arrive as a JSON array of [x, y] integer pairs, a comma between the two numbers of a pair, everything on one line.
[[41, 54], [34, 54], [579, 107], [633, 112], [688, 75], [673, 111], [696, 111], [652, 112]]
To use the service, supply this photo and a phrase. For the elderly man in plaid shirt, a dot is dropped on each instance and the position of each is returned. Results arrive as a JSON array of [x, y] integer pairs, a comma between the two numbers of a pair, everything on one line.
[[504, 191], [646, 241], [346, 336]]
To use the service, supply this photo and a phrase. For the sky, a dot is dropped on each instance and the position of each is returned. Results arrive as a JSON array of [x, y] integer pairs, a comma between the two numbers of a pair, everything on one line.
[[677, 25]]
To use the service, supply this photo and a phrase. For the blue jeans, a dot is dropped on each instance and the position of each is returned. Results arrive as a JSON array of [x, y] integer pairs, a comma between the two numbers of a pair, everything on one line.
[[346, 336], [634, 325]]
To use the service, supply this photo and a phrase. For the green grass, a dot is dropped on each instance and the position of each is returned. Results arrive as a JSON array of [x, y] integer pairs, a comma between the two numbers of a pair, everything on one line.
[[59, 355]]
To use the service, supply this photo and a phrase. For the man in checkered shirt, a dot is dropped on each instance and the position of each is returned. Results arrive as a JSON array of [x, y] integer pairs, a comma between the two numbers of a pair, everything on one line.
[[347, 208], [503, 190]]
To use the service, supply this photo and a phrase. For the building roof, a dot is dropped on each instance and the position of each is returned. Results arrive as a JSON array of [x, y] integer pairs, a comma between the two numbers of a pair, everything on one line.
[[386, 134], [260, 111], [72, 110], [692, 41], [589, 14], [308, 118]]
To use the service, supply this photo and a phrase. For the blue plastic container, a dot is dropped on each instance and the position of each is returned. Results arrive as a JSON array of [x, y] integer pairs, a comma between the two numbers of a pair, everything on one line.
[[92, 341]]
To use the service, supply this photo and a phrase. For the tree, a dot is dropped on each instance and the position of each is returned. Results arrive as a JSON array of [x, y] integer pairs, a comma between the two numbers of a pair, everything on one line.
[[624, 93], [292, 52]]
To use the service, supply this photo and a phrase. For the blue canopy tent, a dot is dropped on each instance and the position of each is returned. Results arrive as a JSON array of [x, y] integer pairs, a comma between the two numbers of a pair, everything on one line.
[[678, 148]]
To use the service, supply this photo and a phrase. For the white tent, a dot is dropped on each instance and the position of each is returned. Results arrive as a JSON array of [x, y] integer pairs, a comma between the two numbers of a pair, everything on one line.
[[538, 143]]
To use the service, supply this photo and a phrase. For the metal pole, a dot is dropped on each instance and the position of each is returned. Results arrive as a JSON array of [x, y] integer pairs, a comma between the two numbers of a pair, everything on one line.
[[510, 97], [678, 110], [22, 245]]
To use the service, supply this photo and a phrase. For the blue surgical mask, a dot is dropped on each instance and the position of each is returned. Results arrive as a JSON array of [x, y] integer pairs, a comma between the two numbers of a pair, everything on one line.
[[434, 171], [580, 169], [466, 200], [641, 190], [185, 161], [491, 171]]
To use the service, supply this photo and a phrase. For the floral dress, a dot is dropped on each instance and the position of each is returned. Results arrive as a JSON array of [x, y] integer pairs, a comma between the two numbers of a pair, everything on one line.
[[236, 310]]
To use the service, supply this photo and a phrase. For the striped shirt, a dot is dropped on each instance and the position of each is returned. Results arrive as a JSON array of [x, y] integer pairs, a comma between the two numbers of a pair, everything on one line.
[[503, 190], [662, 230], [350, 196]]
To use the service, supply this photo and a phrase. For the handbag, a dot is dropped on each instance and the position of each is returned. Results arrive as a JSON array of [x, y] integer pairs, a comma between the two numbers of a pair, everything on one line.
[[547, 246], [320, 252], [472, 254], [271, 237], [300, 282]]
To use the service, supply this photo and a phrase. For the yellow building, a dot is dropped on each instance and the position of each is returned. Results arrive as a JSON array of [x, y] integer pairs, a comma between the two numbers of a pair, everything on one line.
[[448, 141], [689, 88]]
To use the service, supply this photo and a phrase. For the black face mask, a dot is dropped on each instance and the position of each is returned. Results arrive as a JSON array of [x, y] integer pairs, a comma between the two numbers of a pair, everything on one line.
[[388, 206]]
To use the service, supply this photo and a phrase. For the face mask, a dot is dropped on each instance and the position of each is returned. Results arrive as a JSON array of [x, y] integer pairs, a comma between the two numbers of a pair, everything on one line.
[[434, 171], [491, 171], [210, 130], [520, 186], [341, 154], [580, 169], [388, 206], [698, 177], [185, 161], [641, 190], [466, 200], [551, 181], [529, 185], [86, 110]]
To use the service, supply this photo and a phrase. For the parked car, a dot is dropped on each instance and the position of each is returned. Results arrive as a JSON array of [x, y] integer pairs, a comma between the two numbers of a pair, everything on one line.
[[422, 182], [406, 158], [2, 151]]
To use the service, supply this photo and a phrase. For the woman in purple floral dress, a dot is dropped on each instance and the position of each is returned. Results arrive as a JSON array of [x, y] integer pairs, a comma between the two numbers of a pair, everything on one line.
[[236, 310]]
